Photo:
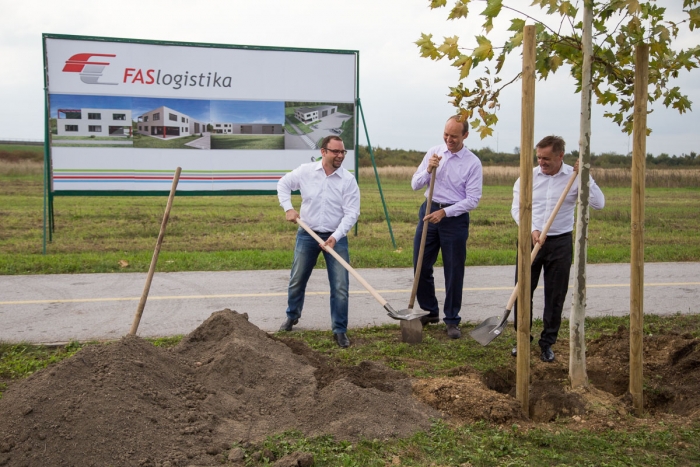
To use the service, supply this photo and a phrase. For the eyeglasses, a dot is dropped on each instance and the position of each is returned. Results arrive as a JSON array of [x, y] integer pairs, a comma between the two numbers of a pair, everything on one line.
[[337, 152]]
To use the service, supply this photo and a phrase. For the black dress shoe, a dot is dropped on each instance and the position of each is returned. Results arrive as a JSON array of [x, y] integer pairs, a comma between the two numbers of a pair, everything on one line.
[[547, 354], [342, 340], [514, 351], [426, 320], [287, 326], [453, 331]]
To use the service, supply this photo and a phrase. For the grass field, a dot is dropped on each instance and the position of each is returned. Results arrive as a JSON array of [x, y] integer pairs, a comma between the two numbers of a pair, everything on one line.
[[247, 141], [89, 138], [142, 141], [249, 232]]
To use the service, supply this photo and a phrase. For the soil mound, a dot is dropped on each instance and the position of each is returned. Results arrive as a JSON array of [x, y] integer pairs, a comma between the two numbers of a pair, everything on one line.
[[130, 403], [671, 375], [227, 383]]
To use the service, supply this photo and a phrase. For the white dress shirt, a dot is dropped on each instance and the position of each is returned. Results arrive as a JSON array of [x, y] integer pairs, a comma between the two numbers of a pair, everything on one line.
[[546, 190], [458, 179], [329, 203]]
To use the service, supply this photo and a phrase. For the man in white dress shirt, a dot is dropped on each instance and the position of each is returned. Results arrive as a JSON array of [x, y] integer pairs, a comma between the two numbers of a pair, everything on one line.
[[548, 182], [330, 205]]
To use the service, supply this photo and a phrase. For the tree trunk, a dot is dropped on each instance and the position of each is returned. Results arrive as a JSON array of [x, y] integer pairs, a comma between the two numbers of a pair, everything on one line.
[[577, 336]]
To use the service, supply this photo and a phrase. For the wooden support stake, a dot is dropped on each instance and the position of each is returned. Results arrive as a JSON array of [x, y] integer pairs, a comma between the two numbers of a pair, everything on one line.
[[154, 259], [641, 84], [527, 143]]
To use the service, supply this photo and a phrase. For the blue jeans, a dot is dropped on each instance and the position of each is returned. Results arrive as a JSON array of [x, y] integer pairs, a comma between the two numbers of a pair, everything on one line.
[[306, 254], [449, 235]]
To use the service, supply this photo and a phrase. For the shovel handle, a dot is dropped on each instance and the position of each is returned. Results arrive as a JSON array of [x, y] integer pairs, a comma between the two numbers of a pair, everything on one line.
[[543, 234], [340, 259], [154, 258], [421, 250]]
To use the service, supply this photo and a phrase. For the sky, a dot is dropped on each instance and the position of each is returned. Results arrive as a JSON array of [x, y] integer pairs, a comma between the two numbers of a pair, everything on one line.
[[403, 96]]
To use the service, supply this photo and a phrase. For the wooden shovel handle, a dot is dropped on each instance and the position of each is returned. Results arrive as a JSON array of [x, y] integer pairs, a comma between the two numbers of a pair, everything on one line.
[[421, 250], [154, 259], [543, 234], [345, 264]]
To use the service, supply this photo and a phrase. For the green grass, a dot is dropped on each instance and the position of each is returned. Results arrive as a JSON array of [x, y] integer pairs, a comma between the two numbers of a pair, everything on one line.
[[143, 141], [88, 145], [485, 445], [289, 115], [89, 138], [249, 232], [247, 141]]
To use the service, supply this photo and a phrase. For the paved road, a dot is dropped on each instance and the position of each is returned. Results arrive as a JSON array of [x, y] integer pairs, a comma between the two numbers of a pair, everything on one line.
[[58, 308]]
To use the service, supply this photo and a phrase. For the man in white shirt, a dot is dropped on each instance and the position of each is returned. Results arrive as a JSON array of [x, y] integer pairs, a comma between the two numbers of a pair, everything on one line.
[[330, 205], [548, 182], [456, 193]]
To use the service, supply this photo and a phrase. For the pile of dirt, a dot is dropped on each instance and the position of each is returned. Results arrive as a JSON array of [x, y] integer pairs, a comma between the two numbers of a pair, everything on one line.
[[229, 383], [130, 403], [671, 377]]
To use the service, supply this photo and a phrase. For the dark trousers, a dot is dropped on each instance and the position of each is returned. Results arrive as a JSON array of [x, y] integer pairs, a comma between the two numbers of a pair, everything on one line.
[[555, 258], [449, 235]]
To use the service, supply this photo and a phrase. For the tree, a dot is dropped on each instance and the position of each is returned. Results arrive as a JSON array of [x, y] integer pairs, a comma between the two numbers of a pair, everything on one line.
[[618, 25], [600, 50]]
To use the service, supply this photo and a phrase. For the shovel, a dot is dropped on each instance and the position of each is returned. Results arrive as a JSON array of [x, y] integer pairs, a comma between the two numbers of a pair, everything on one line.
[[490, 329], [401, 314], [412, 332]]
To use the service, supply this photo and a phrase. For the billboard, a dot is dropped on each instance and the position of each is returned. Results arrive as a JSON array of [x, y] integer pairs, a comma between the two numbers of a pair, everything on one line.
[[123, 114]]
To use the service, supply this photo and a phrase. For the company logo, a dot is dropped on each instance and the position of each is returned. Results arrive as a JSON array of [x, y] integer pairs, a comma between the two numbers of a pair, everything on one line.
[[90, 71]]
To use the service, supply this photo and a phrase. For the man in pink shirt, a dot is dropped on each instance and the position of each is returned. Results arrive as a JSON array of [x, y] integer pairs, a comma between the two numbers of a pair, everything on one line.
[[457, 192]]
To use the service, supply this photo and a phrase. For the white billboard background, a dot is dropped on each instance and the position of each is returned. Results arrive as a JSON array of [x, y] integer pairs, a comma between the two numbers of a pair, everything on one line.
[[243, 74]]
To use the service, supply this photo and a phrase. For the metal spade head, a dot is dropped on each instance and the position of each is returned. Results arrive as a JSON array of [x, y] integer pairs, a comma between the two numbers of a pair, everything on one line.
[[490, 329], [407, 314]]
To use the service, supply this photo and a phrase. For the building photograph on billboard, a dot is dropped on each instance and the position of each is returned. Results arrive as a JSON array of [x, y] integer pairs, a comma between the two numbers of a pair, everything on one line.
[[309, 122], [122, 112]]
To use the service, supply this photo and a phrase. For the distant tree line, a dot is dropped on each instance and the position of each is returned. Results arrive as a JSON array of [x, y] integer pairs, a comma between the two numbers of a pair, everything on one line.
[[384, 157]]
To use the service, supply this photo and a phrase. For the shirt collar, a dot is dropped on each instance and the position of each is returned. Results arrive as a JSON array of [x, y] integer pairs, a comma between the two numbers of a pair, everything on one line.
[[319, 166], [565, 169], [461, 153]]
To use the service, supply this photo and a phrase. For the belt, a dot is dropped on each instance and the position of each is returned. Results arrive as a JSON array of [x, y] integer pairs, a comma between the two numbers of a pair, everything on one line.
[[442, 205], [559, 235]]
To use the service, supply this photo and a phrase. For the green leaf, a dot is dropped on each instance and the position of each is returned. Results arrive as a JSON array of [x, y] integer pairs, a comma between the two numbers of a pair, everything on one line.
[[567, 9], [516, 40], [485, 50], [633, 6], [437, 3], [464, 62], [485, 131], [517, 25], [460, 10], [493, 8], [694, 18], [427, 47], [450, 47]]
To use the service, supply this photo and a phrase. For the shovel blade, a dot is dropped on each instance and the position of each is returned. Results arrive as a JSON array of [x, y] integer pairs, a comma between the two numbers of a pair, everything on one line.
[[490, 329], [411, 331], [406, 314]]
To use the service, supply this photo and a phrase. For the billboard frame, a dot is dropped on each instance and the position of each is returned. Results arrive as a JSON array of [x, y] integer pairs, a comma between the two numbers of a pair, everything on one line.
[[49, 194]]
